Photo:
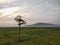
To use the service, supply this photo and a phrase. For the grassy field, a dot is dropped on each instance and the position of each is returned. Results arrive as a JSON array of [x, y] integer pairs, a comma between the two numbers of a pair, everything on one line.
[[31, 36]]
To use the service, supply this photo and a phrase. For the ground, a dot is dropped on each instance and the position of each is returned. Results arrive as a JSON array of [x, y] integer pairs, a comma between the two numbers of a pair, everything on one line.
[[30, 36]]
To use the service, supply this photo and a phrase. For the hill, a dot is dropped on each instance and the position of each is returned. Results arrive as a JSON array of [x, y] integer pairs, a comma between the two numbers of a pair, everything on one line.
[[43, 25]]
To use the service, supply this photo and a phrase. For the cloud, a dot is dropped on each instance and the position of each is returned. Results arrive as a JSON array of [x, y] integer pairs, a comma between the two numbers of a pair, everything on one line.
[[44, 12], [12, 4], [6, 1], [31, 3], [54, 3], [35, 10], [8, 11]]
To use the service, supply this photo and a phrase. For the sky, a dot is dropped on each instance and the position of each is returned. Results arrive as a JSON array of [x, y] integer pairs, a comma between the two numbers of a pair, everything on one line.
[[32, 11]]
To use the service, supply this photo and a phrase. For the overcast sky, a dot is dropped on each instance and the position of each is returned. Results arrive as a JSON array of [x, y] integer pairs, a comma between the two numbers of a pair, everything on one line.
[[32, 11]]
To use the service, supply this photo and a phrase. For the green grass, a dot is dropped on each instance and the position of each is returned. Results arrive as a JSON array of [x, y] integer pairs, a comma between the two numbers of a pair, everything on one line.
[[31, 36]]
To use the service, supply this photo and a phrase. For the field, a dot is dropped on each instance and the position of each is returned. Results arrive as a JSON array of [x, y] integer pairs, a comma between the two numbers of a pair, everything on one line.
[[30, 36]]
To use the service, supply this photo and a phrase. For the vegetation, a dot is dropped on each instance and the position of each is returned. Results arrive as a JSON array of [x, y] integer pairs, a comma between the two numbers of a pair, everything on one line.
[[30, 35]]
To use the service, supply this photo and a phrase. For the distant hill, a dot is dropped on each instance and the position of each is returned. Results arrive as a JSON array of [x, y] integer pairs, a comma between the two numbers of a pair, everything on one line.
[[43, 25]]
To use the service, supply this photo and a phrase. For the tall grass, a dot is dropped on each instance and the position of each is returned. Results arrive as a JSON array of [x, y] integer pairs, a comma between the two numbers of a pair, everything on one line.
[[30, 35]]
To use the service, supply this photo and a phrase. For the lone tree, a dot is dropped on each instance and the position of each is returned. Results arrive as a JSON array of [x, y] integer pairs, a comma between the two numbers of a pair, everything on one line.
[[20, 21]]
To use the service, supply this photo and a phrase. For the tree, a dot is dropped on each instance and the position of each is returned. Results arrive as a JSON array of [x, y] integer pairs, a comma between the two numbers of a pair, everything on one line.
[[19, 21]]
